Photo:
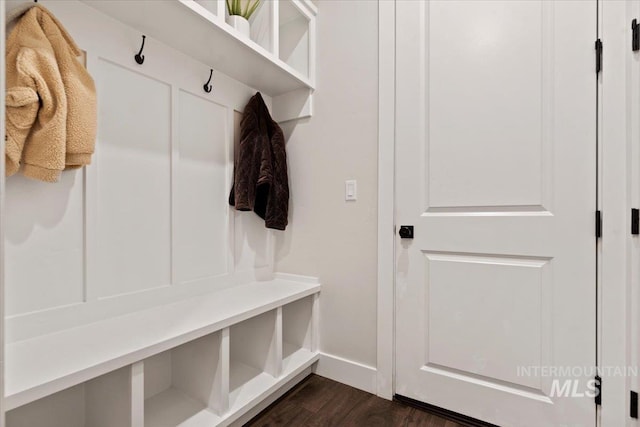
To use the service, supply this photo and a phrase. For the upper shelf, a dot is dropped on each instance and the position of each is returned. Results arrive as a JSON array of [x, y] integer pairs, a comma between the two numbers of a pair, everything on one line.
[[193, 29]]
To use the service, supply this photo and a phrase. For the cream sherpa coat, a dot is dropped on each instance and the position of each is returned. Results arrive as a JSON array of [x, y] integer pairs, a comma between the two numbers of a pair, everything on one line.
[[51, 100]]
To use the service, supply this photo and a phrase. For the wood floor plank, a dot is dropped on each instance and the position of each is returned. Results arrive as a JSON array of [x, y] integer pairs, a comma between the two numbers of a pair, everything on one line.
[[320, 402], [286, 414], [377, 412], [338, 408], [315, 393]]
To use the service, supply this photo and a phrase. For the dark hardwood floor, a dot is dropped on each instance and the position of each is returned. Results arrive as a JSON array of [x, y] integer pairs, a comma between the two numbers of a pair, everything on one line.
[[318, 401]]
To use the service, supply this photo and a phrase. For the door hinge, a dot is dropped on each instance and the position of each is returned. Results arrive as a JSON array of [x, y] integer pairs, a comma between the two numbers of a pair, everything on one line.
[[635, 221], [598, 224], [633, 404], [635, 35], [598, 56], [598, 384]]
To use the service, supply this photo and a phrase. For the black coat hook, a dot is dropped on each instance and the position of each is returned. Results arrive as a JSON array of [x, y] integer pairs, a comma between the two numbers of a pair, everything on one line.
[[207, 87], [139, 56]]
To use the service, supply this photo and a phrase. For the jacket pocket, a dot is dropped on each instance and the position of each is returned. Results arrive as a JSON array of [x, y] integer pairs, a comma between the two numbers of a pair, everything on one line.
[[22, 107]]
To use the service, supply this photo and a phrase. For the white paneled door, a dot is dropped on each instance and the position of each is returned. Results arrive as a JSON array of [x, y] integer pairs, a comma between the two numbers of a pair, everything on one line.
[[496, 171]]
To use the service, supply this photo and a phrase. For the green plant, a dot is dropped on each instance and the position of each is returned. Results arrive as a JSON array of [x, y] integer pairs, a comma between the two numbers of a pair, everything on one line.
[[235, 7]]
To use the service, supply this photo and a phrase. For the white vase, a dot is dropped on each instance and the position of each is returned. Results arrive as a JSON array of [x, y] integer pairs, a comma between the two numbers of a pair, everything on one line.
[[240, 24]]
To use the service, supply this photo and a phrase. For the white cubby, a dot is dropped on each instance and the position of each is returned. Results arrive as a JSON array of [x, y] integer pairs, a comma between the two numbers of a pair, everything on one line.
[[185, 386], [294, 37], [260, 24], [297, 333], [105, 401], [255, 358], [211, 5]]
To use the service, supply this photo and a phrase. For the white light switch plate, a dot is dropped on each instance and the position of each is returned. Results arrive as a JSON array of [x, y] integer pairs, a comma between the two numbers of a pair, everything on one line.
[[350, 189]]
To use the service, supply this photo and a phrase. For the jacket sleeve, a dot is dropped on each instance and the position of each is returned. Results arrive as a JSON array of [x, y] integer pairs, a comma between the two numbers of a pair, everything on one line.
[[22, 107], [38, 129]]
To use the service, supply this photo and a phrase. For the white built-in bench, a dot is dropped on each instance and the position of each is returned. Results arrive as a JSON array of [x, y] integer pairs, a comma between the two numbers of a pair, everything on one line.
[[214, 359]]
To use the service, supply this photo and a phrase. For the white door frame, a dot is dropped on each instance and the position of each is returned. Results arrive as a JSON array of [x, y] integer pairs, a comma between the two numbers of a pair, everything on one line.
[[615, 202], [616, 128], [386, 197], [2, 192]]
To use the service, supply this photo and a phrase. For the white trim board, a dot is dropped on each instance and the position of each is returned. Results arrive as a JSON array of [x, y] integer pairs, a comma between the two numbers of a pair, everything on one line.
[[2, 201], [618, 131], [348, 372], [386, 200]]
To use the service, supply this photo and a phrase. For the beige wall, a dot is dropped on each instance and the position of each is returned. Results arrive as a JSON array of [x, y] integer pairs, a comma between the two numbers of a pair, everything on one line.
[[327, 236]]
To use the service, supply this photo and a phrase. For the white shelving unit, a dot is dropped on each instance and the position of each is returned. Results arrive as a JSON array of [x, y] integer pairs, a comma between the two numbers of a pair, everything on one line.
[[278, 59], [203, 361]]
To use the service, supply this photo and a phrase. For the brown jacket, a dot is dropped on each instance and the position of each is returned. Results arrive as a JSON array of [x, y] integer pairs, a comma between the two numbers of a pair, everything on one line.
[[261, 183], [51, 101]]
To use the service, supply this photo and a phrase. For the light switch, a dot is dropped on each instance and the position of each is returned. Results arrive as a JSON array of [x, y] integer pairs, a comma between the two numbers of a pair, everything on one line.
[[350, 189]]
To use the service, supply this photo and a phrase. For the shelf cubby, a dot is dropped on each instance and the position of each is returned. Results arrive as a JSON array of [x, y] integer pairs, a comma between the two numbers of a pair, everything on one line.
[[261, 25], [298, 335], [255, 358], [294, 47], [212, 6], [105, 401], [186, 386]]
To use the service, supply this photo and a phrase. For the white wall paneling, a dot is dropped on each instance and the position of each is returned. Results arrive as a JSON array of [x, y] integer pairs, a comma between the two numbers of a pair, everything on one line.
[[151, 211], [133, 227], [202, 228]]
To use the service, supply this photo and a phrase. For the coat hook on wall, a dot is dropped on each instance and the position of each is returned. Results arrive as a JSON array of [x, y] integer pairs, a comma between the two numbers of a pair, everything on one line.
[[139, 56], [207, 87]]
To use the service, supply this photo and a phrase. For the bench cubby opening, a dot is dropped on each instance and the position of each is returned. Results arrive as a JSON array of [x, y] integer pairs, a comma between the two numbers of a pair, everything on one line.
[[254, 358], [298, 344], [187, 386], [105, 401]]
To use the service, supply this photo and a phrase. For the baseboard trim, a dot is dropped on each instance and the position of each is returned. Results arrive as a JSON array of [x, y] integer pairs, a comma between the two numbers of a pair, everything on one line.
[[444, 413], [354, 374]]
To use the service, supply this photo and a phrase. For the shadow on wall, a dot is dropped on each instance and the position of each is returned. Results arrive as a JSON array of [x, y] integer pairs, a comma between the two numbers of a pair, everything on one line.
[[282, 244], [32, 204]]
